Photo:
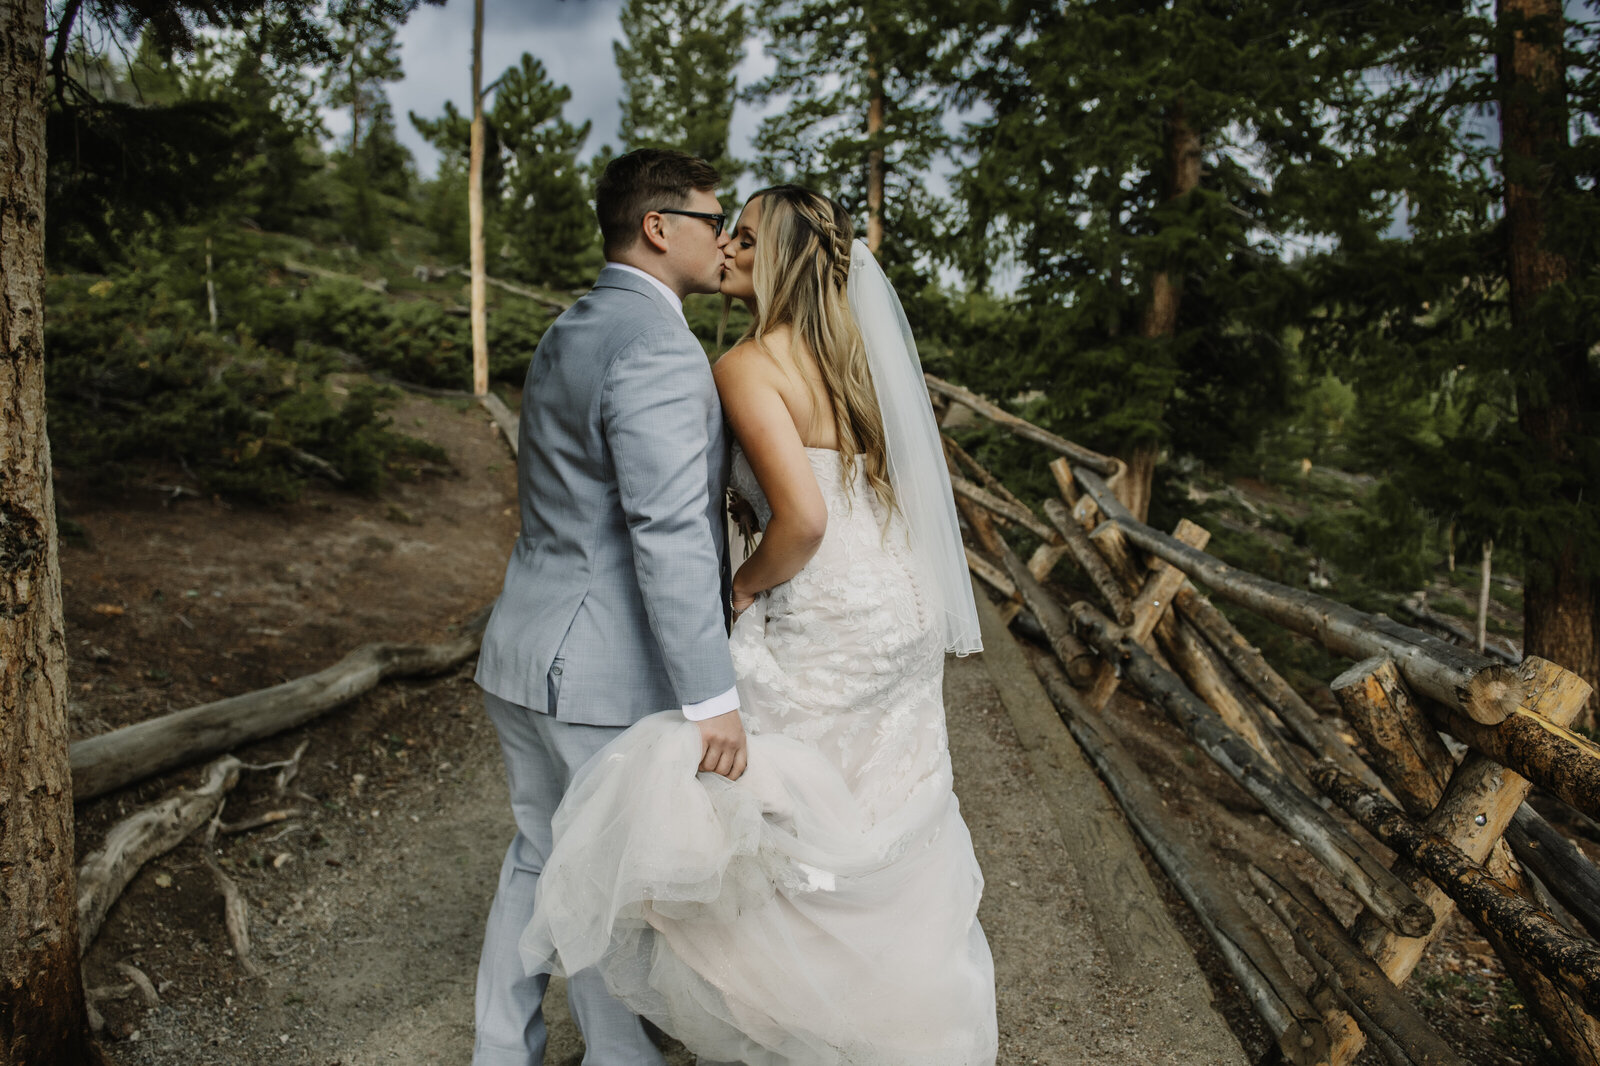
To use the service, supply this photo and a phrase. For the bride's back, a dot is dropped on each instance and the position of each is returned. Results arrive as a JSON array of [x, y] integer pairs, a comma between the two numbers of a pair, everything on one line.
[[799, 380]]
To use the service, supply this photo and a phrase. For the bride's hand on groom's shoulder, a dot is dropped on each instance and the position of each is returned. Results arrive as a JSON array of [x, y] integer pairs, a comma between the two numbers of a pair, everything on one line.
[[723, 749]]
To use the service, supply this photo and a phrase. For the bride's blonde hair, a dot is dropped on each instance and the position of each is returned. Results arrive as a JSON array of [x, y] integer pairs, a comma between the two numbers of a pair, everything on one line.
[[802, 268]]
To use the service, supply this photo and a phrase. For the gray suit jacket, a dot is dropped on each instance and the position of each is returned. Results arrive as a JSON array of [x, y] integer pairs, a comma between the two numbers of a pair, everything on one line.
[[614, 605]]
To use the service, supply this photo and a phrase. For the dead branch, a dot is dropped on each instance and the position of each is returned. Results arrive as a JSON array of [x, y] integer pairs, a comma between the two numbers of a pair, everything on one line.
[[141, 983], [268, 818], [142, 836]]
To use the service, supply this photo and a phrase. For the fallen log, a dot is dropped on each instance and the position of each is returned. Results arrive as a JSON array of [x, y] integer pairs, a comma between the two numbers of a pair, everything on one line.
[[1573, 1029], [1077, 660], [1545, 752], [981, 472], [1384, 894], [1572, 961], [1367, 992], [991, 574], [1106, 535], [1568, 873], [989, 538], [306, 270], [1050, 550], [1090, 561], [546, 300], [1061, 470], [503, 418], [1277, 999], [1209, 678], [1101, 464], [140, 837], [111, 760], [1485, 691], [1309, 727]]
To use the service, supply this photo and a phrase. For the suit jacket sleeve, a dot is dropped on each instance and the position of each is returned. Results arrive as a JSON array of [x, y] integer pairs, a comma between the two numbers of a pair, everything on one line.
[[657, 407]]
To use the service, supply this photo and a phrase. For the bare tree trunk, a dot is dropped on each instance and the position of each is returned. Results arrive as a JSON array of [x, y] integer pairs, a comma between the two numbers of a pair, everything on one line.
[[1483, 596], [42, 1016], [1561, 602], [480, 314], [1166, 292], [211, 289], [875, 160]]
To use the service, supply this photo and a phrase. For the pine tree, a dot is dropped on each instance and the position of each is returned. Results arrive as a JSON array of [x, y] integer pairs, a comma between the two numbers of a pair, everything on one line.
[[538, 221], [867, 88], [547, 225], [1148, 168], [677, 59], [1486, 299], [372, 163]]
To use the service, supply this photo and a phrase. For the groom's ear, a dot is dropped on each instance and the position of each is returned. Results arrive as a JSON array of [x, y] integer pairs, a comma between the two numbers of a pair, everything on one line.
[[653, 231]]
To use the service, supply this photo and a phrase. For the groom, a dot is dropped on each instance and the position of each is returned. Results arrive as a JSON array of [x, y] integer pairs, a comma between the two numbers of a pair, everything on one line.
[[614, 598]]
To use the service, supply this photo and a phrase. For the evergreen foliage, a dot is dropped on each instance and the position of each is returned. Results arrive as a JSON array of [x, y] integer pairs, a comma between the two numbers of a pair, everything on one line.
[[677, 60], [136, 374], [833, 57], [1419, 320], [538, 222], [121, 160], [1072, 183], [549, 228]]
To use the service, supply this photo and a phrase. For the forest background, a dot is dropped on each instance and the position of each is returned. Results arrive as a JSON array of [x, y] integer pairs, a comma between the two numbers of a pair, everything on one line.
[[1344, 254]]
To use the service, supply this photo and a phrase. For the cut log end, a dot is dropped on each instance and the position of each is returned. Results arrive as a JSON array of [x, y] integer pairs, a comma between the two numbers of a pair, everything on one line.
[[1493, 695]]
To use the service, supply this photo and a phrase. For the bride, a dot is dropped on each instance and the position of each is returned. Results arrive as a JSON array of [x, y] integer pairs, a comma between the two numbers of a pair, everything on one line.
[[820, 907]]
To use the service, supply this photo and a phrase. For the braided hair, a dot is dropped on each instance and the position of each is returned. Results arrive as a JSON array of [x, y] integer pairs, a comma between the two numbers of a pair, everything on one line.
[[802, 273]]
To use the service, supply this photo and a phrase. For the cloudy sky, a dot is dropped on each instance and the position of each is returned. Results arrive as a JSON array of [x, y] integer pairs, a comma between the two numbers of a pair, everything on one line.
[[572, 38]]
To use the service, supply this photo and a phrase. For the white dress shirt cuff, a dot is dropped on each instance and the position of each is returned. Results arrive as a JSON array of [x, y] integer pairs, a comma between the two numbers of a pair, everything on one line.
[[719, 704]]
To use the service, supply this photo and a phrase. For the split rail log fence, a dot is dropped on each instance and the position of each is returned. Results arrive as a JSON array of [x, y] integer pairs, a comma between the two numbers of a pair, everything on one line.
[[1461, 832]]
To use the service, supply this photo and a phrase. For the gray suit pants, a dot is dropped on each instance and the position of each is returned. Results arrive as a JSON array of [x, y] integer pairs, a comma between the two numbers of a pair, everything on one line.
[[541, 755]]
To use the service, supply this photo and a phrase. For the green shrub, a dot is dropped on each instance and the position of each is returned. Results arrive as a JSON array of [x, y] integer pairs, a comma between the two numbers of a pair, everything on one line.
[[135, 375]]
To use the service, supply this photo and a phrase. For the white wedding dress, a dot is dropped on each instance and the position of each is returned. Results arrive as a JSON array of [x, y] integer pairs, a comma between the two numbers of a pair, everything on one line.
[[823, 908]]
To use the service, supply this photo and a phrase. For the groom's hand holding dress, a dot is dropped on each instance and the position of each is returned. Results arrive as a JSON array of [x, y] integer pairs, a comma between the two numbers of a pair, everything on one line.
[[724, 740]]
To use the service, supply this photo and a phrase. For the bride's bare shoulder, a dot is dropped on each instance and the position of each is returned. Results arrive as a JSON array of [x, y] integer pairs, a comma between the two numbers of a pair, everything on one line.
[[753, 363]]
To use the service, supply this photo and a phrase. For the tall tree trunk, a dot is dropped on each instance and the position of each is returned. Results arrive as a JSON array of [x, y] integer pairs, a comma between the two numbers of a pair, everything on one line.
[[42, 1015], [1561, 601], [479, 309], [1166, 292], [875, 159], [355, 99]]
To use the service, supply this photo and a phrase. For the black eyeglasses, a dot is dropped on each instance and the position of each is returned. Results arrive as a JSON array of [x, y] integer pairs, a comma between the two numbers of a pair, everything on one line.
[[717, 221]]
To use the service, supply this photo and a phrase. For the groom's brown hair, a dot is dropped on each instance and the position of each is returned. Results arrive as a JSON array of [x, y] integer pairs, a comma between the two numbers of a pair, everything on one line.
[[643, 181]]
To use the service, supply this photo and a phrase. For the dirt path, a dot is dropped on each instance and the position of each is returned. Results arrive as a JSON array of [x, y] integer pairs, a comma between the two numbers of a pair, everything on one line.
[[372, 960]]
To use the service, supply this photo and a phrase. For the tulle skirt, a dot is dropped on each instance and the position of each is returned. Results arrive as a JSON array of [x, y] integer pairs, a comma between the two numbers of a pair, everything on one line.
[[775, 920]]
